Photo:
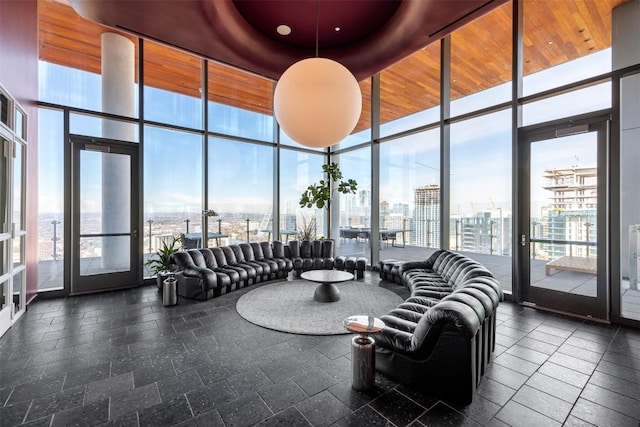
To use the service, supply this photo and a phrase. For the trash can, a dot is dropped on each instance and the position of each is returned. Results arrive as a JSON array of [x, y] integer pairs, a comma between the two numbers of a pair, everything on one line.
[[169, 292]]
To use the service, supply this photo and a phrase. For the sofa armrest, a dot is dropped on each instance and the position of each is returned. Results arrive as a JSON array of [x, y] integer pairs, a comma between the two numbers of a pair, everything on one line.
[[202, 273], [394, 339]]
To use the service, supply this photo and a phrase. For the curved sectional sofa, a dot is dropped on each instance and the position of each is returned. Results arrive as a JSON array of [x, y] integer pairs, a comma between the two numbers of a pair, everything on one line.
[[209, 272], [441, 338]]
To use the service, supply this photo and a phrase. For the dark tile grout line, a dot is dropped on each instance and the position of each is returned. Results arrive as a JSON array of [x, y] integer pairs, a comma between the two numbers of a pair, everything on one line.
[[510, 316], [611, 339]]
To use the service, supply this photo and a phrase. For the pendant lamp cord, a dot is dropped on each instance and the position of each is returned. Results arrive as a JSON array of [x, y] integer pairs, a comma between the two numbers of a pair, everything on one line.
[[317, 1]]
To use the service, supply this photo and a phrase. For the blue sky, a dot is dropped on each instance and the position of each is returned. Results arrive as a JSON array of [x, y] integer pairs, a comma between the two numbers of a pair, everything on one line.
[[173, 159]]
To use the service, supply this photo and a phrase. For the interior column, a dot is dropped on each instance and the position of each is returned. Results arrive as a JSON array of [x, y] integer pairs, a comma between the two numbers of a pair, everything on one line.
[[118, 80]]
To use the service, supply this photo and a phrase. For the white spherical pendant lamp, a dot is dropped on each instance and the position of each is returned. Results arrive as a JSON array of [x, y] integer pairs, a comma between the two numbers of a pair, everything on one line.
[[317, 102]]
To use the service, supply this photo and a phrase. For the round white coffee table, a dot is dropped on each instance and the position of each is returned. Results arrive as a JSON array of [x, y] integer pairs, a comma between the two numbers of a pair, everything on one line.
[[327, 291]]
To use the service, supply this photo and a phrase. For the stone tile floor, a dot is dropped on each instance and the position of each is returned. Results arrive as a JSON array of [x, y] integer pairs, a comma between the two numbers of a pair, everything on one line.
[[122, 358]]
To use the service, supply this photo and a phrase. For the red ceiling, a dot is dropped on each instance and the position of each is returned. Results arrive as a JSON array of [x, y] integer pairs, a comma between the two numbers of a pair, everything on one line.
[[374, 34]]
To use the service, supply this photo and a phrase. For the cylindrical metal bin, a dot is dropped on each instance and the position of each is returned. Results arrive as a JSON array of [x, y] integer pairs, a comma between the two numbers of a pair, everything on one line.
[[362, 363], [169, 291]]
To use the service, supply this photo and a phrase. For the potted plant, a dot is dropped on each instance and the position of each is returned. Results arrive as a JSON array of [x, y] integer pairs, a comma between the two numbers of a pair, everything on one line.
[[320, 194], [161, 265], [308, 229]]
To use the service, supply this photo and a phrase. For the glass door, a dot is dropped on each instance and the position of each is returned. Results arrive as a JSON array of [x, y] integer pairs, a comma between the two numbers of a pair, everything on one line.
[[104, 215], [6, 297], [562, 195]]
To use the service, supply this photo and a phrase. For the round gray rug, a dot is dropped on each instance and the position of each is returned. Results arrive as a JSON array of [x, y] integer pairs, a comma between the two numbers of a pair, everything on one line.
[[289, 306]]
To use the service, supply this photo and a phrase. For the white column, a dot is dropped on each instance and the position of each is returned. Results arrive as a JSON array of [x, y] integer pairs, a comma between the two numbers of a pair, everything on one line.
[[118, 80]]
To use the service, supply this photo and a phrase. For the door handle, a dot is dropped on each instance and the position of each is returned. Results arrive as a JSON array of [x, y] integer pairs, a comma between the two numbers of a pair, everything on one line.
[[523, 240], [134, 234]]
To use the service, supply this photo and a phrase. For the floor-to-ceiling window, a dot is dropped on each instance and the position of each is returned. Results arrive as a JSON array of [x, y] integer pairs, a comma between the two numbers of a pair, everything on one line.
[[76, 72], [298, 170], [481, 147], [173, 155], [480, 197], [241, 189], [50, 200], [409, 179], [354, 210], [173, 185], [564, 44], [410, 193], [240, 173]]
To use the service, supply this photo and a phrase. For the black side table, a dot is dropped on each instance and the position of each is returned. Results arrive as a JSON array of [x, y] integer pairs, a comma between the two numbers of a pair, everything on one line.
[[363, 368]]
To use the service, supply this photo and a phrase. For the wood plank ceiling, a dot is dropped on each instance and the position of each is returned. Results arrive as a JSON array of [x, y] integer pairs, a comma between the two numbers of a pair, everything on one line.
[[554, 32]]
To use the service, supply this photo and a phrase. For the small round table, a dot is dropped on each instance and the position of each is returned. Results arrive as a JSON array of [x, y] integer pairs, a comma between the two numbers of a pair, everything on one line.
[[363, 361], [327, 291]]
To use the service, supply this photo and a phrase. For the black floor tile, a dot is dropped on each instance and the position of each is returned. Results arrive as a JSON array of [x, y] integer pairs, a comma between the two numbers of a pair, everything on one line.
[[14, 414], [600, 416], [366, 416], [481, 410], [290, 417], [209, 419], [506, 376], [314, 381], [612, 400], [395, 407], [244, 411], [564, 374], [56, 402], [87, 375], [444, 415], [543, 403], [92, 414], [166, 413], [351, 398], [618, 385], [151, 374], [107, 387], [174, 386], [515, 414], [280, 370], [580, 352], [75, 361], [323, 409], [619, 371], [36, 389], [573, 363], [209, 397], [282, 395], [554, 387], [40, 422], [134, 400], [494, 391]]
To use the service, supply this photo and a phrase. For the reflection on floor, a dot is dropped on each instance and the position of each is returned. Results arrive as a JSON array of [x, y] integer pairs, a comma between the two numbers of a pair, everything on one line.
[[122, 358]]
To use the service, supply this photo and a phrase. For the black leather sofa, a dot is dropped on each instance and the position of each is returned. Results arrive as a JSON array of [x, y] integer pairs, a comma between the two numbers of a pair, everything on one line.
[[211, 272], [320, 255], [310, 255], [441, 338]]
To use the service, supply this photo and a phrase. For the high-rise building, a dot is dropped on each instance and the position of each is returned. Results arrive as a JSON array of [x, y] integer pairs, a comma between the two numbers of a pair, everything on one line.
[[427, 216], [570, 213]]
